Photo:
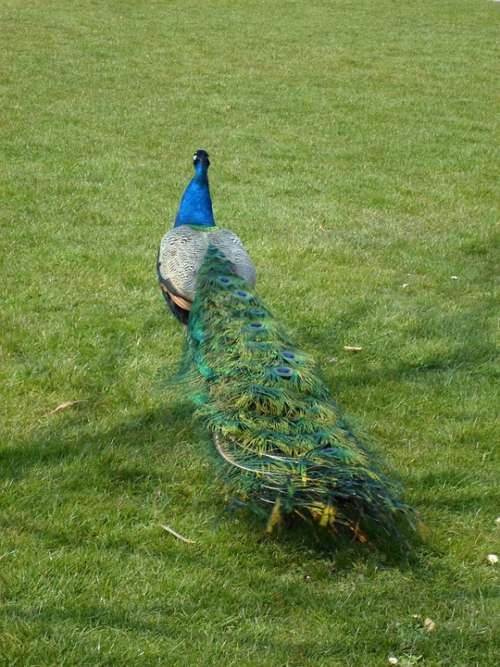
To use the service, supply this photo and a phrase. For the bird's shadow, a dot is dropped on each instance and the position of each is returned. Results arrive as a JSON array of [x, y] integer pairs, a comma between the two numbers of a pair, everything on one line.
[[56, 443], [112, 468]]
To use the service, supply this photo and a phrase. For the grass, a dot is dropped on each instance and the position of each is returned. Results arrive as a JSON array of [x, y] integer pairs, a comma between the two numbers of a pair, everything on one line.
[[353, 150]]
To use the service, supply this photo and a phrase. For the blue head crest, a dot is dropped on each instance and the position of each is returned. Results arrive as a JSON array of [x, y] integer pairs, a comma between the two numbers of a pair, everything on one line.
[[196, 204]]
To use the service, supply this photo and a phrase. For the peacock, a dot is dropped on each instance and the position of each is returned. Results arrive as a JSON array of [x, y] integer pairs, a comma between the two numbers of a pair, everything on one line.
[[284, 447]]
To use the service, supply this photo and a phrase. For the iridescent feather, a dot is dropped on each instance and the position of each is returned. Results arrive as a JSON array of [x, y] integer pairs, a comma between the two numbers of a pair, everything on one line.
[[285, 448]]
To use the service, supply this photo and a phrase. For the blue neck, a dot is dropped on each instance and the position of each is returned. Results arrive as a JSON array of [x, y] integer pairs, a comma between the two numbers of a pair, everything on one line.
[[196, 205]]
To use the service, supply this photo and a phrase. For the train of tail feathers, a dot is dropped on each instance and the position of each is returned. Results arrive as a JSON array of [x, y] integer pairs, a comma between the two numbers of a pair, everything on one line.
[[284, 447]]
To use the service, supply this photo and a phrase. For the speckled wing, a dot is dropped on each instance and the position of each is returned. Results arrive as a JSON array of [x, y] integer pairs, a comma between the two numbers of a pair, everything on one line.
[[183, 249], [234, 250]]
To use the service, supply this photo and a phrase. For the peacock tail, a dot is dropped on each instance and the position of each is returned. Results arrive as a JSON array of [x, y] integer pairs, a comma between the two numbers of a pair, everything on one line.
[[284, 446]]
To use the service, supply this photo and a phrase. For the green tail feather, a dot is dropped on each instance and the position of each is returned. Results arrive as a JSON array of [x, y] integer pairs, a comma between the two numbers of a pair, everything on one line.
[[284, 446]]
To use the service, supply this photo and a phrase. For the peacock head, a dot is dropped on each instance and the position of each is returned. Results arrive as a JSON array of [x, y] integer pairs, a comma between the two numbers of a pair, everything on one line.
[[201, 162]]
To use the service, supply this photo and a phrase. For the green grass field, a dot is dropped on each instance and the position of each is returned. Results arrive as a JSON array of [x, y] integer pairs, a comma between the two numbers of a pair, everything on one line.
[[353, 149]]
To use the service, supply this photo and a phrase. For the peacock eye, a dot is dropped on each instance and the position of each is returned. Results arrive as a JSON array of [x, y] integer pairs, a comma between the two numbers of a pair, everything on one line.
[[283, 372], [242, 295], [224, 280], [256, 312]]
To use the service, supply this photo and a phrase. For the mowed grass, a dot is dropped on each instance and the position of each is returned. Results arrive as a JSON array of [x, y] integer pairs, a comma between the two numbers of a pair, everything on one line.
[[353, 149]]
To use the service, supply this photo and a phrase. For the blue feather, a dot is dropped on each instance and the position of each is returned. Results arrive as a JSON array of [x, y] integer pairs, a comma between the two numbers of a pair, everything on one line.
[[196, 204]]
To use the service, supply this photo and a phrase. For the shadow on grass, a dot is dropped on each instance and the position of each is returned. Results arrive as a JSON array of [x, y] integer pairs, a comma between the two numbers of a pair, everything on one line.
[[342, 549], [455, 491], [329, 337], [93, 616], [56, 443], [122, 458], [467, 346]]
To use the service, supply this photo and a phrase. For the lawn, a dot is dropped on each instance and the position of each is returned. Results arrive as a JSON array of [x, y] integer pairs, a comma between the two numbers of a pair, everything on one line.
[[353, 150]]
